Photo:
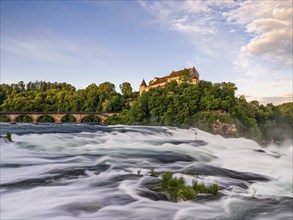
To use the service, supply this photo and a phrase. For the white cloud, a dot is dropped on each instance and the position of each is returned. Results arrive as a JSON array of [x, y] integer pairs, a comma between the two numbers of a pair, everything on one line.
[[48, 47], [265, 86], [270, 25], [38, 49], [277, 100], [197, 61], [280, 83], [183, 16], [200, 21]]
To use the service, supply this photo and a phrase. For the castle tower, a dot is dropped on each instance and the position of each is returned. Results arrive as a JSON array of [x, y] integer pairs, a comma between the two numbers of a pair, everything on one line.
[[194, 75], [142, 87]]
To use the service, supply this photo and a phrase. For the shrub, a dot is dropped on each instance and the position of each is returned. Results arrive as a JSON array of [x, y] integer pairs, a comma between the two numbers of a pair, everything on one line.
[[177, 189], [138, 172], [153, 172], [9, 136], [201, 188], [214, 189]]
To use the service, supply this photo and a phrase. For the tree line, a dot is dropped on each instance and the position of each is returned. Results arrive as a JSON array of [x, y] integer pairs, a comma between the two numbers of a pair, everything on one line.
[[209, 106], [43, 96]]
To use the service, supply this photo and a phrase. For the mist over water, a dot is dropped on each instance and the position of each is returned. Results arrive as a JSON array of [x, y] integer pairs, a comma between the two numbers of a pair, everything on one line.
[[90, 172]]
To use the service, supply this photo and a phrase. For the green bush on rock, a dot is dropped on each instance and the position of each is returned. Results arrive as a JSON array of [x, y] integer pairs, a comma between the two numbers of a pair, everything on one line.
[[201, 188], [9, 136], [153, 172], [177, 189]]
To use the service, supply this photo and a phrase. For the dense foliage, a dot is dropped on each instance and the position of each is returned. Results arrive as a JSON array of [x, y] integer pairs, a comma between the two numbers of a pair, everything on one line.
[[208, 106], [211, 107], [43, 96]]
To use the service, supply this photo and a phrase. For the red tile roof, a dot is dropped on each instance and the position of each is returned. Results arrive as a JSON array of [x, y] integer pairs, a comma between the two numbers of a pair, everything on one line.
[[159, 81], [178, 73], [164, 79], [143, 83]]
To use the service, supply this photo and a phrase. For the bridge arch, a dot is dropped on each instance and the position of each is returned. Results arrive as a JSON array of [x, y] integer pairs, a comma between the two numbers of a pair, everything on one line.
[[5, 118], [68, 118], [23, 118], [57, 117], [91, 118], [45, 118]]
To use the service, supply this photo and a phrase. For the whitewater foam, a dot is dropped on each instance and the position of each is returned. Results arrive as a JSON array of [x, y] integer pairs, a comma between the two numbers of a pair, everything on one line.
[[93, 173]]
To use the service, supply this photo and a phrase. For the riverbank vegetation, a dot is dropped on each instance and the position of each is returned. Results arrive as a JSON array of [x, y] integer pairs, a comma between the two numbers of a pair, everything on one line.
[[212, 107]]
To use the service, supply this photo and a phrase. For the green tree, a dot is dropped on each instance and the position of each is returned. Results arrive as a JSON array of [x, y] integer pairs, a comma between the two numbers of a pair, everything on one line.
[[126, 89], [106, 87]]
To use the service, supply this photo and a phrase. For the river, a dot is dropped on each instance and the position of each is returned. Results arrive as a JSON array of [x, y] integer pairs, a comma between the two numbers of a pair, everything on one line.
[[90, 172]]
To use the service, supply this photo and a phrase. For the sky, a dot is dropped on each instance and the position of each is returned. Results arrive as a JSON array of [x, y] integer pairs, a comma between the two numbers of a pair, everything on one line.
[[84, 42]]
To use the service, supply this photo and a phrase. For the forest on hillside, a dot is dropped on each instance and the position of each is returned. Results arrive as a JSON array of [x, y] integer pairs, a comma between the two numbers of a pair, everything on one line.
[[212, 107], [43, 96]]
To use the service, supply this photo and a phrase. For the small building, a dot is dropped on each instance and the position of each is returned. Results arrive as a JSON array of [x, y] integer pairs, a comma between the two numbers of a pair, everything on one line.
[[187, 75]]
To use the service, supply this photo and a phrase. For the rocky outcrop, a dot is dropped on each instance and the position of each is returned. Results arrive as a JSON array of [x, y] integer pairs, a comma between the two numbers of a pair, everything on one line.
[[224, 129]]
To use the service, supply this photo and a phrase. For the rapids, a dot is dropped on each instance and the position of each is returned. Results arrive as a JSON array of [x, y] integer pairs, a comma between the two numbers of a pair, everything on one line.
[[90, 172]]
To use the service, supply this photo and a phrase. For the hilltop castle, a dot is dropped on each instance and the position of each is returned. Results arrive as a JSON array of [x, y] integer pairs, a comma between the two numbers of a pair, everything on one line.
[[187, 75]]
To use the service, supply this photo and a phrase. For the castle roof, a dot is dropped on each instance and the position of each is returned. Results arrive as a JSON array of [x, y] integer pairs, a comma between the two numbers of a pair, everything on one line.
[[159, 80], [143, 83], [178, 73], [172, 75]]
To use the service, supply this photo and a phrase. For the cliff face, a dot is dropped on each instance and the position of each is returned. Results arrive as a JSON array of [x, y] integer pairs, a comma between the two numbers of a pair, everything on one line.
[[224, 129], [218, 122]]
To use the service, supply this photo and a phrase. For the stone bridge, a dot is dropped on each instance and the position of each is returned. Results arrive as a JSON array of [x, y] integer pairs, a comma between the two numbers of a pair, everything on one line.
[[57, 116]]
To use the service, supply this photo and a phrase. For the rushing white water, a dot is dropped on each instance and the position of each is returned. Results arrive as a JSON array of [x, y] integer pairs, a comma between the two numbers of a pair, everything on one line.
[[90, 172]]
